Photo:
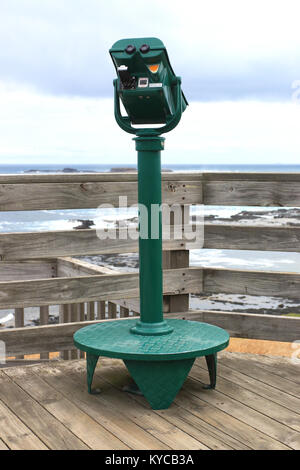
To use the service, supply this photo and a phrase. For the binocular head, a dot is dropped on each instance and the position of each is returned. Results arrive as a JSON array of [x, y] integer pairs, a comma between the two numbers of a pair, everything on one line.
[[146, 84]]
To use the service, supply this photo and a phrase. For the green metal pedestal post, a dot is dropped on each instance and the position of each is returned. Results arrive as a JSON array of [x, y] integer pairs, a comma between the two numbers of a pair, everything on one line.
[[150, 240]]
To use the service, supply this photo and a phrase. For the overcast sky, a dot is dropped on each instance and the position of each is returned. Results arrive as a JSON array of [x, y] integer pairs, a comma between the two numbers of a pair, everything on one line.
[[238, 61]]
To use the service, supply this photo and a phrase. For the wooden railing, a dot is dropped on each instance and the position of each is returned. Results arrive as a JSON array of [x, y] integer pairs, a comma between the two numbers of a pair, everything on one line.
[[38, 268]]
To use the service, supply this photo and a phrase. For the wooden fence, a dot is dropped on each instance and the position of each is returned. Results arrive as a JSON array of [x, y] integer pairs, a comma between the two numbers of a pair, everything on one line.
[[38, 268]]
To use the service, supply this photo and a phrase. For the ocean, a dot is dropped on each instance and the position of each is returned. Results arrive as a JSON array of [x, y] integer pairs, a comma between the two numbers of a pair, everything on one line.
[[54, 168]]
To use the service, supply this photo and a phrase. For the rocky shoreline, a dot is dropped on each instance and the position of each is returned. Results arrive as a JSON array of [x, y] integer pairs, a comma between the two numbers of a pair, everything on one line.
[[278, 216]]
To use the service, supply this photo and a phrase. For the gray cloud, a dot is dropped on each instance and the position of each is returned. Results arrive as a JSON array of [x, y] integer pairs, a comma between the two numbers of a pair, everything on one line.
[[61, 48]]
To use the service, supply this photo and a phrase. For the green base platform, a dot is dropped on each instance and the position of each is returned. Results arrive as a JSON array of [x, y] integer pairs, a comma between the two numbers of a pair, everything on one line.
[[159, 365]]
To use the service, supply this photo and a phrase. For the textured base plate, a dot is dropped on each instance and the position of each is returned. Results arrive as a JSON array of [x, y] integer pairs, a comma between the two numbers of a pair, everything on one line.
[[189, 339]]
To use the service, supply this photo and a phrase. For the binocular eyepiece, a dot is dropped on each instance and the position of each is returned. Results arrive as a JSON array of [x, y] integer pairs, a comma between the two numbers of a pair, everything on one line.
[[130, 49]]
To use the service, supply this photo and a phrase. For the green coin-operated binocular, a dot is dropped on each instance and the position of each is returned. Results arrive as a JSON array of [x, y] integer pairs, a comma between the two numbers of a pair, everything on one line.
[[147, 86]]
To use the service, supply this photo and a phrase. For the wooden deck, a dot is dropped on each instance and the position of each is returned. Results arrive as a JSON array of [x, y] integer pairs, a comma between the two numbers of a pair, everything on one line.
[[256, 406]]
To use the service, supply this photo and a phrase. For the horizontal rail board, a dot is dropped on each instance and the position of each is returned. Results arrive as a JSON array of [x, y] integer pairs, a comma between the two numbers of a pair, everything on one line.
[[90, 189], [44, 196], [38, 339], [88, 288], [250, 282], [260, 238], [32, 245], [92, 177], [50, 338], [269, 176], [71, 267], [22, 270], [123, 286], [120, 177], [38, 245], [252, 193], [248, 325]]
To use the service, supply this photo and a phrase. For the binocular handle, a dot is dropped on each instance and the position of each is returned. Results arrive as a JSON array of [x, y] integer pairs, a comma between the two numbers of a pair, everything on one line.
[[124, 122]]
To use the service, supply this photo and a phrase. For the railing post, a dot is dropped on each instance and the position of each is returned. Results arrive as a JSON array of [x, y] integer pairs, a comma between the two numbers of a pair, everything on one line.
[[172, 260], [19, 323], [44, 319]]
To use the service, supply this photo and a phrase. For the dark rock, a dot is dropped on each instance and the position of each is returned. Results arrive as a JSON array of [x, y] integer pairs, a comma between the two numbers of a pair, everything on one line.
[[85, 224], [122, 169]]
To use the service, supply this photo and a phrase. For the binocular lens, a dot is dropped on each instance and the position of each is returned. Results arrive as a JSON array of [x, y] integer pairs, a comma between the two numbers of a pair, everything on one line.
[[130, 49], [145, 48]]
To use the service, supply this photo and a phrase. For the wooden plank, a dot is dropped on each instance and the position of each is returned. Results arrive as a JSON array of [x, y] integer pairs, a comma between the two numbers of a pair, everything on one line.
[[170, 435], [258, 368], [72, 267], [44, 320], [64, 317], [19, 323], [248, 325], [240, 404], [115, 420], [251, 282], [85, 242], [50, 431], [256, 237], [67, 415], [15, 434], [239, 433], [224, 421], [19, 317], [89, 288], [231, 188], [112, 310], [3, 446], [134, 303], [291, 177], [74, 318], [173, 260], [37, 339], [49, 338], [44, 315], [86, 177], [22, 270], [101, 309], [255, 394], [129, 304], [45, 196], [290, 371], [19, 246], [176, 416], [81, 308], [90, 311], [214, 438], [280, 365], [244, 375], [124, 312], [119, 177], [251, 193]]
